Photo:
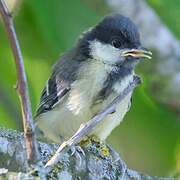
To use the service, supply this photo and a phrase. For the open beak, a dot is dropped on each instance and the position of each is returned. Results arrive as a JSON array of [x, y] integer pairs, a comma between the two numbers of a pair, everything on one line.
[[137, 53]]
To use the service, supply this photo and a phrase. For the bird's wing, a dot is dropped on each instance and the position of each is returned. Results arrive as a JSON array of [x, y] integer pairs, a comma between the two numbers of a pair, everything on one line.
[[54, 90], [63, 75]]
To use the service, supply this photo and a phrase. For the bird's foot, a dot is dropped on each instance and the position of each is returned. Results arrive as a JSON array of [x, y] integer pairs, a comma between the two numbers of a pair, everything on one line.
[[101, 145], [77, 149], [88, 140], [78, 153], [96, 142]]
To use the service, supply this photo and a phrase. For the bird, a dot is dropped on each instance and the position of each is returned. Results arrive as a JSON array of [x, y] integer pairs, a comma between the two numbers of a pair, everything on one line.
[[88, 77]]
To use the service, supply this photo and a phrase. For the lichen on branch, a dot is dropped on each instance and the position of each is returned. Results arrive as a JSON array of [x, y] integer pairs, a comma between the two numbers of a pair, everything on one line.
[[100, 161]]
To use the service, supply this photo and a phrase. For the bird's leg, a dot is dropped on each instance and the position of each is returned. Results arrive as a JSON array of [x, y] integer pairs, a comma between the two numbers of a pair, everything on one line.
[[78, 151]]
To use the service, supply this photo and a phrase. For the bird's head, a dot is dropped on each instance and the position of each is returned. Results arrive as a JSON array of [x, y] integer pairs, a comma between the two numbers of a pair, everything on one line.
[[115, 41]]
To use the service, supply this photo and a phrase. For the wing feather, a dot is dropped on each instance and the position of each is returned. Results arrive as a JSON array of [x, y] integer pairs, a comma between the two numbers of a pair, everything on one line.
[[52, 93], [63, 75]]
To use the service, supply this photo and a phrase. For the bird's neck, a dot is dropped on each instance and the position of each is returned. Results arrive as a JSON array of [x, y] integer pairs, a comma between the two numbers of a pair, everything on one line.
[[117, 79]]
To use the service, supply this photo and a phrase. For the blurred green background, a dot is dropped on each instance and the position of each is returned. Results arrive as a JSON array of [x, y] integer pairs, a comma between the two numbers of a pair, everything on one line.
[[149, 139]]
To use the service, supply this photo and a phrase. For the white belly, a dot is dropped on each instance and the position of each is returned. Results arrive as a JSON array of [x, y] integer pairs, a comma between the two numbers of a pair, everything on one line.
[[60, 124], [75, 108]]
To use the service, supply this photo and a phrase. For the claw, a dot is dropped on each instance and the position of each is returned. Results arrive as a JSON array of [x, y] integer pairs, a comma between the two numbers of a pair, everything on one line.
[[77, 151], [73, 150]]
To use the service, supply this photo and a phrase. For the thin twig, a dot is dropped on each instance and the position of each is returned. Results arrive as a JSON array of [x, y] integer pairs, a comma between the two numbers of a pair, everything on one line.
[[22, 87], [86, 128]]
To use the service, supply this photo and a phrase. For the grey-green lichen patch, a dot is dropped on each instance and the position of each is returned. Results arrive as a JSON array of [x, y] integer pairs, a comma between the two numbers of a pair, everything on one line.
[[64, 175], [99, 161], [12, 147], [47, 150], [95, 164], [10, 134]]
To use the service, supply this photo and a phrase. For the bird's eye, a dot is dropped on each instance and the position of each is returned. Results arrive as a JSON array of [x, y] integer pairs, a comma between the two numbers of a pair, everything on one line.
[[116, 43]]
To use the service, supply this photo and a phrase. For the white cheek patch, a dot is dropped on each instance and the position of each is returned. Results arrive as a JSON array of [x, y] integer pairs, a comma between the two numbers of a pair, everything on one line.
[[104, 52]]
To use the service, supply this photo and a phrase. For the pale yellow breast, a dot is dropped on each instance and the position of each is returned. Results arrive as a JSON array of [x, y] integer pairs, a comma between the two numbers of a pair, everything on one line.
[[87, 87]]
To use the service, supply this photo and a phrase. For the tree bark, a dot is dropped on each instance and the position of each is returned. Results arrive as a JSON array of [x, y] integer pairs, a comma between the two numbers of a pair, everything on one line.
[[100, 161]]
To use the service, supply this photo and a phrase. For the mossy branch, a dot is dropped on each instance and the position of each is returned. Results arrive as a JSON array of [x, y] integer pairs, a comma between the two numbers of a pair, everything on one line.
[[100, 161]]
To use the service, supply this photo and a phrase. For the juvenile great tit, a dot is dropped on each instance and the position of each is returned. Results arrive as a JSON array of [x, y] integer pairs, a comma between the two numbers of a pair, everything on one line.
[[88, 77]]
